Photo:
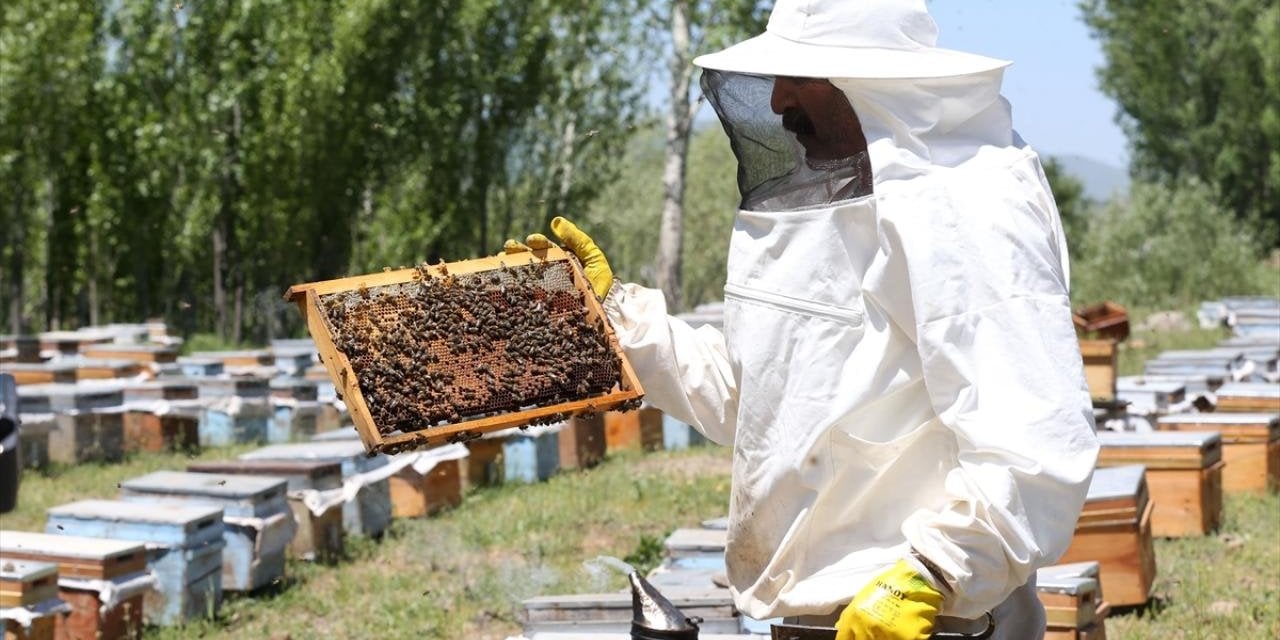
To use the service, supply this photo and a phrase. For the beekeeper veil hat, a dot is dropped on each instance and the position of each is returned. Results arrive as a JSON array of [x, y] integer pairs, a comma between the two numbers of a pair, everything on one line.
[[884, 46]]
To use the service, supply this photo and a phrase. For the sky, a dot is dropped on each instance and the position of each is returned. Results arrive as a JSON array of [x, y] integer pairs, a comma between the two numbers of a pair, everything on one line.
[[1057, 106]]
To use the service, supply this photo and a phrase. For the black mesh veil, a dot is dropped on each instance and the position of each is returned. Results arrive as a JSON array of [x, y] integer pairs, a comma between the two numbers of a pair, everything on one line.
[[779, 170]]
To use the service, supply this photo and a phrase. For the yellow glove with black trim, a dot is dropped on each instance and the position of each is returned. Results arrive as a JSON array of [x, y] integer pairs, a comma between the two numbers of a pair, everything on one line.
[[898, 604], [594, 264]]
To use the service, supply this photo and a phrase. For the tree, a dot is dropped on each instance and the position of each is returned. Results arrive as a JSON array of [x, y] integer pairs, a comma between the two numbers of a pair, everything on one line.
[[1198, 83], [1073, 205], [693, 26]]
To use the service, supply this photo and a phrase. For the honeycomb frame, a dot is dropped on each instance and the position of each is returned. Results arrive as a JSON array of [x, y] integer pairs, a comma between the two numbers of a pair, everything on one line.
[[310, 300]]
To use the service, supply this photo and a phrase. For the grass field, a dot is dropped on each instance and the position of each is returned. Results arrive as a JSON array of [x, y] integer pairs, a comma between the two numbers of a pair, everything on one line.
[[464, 573]]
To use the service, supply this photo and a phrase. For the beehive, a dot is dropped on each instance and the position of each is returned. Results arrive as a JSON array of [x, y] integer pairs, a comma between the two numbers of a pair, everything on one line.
[[103, 580], [40, 373], [88, 423], [258, 521], [33, 587], [1099, 367], [1184, 476], [639, 430], [531, 456], [319, 535], [100, 369], [445, 353], [156, 353], [1073, 602], [184, 549], [1150, 396], [1114, 529], [234, 410], [1250, 446], [430, 484], [1249, 397], [369, 513], [582, 441], [33, 439]]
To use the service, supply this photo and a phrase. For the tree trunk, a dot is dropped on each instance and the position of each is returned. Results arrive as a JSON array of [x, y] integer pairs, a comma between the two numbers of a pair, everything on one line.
[[15, 276], [679, 119], [219, 290]]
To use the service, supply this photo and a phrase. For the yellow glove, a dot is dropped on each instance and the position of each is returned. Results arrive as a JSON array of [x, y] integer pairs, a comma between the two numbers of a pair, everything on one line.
[[898, 604], [594, 264]]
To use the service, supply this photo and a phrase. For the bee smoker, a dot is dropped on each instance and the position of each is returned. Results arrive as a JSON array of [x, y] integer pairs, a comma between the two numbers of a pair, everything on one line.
[[653, 617]]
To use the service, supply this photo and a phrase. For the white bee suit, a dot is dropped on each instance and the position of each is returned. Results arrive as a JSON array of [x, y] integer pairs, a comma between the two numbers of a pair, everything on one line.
[[896, 371]]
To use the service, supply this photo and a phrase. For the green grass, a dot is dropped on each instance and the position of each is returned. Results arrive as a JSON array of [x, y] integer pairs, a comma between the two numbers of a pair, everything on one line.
[[464, 573]]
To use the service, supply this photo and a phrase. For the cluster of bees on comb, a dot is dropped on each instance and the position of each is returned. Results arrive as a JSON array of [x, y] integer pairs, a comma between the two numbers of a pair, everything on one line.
[[444, 348]]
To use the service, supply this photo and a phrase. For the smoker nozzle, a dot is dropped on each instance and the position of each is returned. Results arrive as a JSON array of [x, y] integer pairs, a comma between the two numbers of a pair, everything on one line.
[[653, 617]]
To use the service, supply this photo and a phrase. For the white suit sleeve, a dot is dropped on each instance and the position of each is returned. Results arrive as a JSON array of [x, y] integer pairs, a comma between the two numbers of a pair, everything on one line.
[[685, 371], [975, 273]]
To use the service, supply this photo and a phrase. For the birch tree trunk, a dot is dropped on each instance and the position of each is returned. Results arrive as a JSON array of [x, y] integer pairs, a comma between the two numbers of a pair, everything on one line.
[[678, 122]]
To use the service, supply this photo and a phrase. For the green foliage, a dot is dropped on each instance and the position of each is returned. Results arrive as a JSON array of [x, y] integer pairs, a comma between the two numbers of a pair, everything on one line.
[[1198, 83], [1073, 206], [648, 553], [625, 219], [1169, 247], [192, 160]]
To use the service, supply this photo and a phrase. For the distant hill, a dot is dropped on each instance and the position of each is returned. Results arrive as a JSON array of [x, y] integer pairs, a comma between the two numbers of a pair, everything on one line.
[[1100, 179]]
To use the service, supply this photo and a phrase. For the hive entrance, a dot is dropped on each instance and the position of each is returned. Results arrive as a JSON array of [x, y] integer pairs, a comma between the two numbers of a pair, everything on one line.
[[443, 348]]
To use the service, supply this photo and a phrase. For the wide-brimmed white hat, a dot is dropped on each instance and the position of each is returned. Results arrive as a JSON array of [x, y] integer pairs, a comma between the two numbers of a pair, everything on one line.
[[848, 39]]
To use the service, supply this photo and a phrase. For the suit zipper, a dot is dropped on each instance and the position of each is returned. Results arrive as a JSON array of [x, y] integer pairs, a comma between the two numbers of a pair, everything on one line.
[[848, 315]]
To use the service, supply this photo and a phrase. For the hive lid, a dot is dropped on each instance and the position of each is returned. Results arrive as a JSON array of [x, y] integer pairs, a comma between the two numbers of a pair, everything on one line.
[[1144, 384], [53, 397], [697, 540], [25, 570], [170, 513], [325, 450], [1250, 390], [1216, 418], [222, 486], [1117, 482], [1197, 439], [308, 468], [132, 348], [59, 546], [37, 367]]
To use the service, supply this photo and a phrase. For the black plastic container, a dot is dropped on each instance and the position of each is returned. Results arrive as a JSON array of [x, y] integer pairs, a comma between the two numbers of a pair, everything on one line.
[[10, 460]]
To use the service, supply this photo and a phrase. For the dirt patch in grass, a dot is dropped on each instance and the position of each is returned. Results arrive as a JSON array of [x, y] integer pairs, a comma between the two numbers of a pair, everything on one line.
[[695, 463]]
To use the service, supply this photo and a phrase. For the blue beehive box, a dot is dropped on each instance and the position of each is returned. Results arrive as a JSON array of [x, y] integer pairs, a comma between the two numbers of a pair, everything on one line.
[[531, 455], [678, 435], [196, 367], [258, 521], [184, 550], [369, 513]]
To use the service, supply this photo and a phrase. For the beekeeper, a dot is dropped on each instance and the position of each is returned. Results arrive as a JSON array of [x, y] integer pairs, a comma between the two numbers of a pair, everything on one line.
[[898, 373]]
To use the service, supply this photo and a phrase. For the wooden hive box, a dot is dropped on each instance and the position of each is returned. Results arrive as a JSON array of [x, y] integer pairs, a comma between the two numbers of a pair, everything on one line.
[[1222, 363], [296, 410], [483, 379], [294, 389], [28, 349], [698, 544], [369, 513], [71, 342], [157, 426], [184, 550], [258, 521], [103, 580], [34, 439], [1250, 446], [100, 369], [1073, 603], [639, 430], [1114, 530], [319, 535], [485, 464], [432, 483], [229, 421], [582, 441], [531, 455], [1099, 367], [24, 583], [1147, 396], [171, 389], [156, 353], [200, 367], [88, 423], [40, 373], [595, 615], [1249, 397], [32, 586], [241, 358], [1184, 476]]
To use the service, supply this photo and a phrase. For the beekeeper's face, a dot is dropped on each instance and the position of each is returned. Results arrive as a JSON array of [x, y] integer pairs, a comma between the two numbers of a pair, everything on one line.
[[820, 117]]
